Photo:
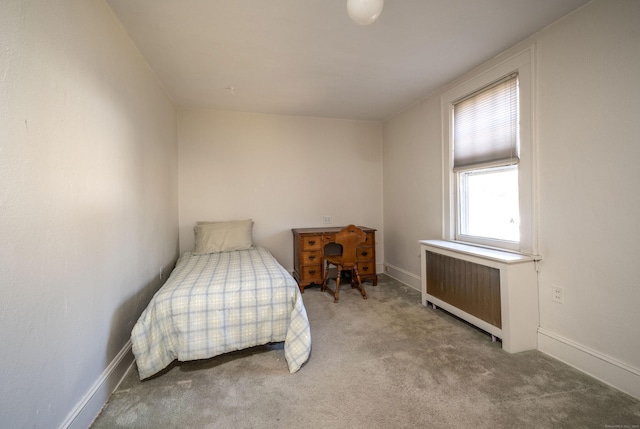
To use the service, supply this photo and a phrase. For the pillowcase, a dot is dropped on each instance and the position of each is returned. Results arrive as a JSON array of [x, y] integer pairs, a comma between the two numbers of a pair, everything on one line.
[[215, 237]]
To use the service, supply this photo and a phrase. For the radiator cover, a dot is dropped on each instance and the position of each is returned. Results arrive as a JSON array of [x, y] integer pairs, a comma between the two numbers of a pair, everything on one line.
[[494, 290]]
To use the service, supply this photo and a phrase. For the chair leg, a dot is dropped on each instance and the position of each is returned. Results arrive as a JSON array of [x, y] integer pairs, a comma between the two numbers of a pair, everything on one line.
[[360, 286], [324, 278], [336, 296]]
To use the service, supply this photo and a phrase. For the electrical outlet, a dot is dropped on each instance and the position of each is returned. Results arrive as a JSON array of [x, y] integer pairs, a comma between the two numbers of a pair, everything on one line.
[[327, 220], [558, 295]]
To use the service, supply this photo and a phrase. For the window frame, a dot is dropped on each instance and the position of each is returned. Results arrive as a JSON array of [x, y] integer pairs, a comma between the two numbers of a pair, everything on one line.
[[522, 63]]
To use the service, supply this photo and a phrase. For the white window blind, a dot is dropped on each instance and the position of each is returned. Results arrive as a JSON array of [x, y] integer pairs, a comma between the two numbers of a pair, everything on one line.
[[485, 126]]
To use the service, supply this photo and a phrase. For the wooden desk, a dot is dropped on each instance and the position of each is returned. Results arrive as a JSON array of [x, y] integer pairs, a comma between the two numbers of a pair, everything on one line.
[[309, 249]]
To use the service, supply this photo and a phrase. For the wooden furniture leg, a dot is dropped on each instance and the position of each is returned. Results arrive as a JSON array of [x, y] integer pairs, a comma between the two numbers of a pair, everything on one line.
[[357, 275]]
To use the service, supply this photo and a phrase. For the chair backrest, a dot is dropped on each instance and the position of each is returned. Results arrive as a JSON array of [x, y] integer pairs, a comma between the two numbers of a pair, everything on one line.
[[349, 238]]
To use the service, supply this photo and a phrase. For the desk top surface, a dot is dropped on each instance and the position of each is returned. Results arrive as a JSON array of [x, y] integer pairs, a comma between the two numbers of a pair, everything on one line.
[[326, 230]]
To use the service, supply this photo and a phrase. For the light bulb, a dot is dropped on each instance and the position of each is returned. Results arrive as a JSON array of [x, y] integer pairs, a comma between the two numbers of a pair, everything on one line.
[[364, 12]]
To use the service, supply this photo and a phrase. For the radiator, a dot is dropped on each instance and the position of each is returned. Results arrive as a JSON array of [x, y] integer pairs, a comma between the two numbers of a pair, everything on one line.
[[493, 290]]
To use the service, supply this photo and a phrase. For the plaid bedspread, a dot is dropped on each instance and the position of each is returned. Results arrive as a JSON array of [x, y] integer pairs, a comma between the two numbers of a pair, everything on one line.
[[217, 303]]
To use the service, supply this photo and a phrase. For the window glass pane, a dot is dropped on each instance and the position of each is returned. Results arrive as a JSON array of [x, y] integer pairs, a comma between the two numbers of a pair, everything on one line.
[[488, 203]]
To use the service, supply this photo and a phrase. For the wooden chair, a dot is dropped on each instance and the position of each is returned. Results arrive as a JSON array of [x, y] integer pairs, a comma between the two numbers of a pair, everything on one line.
[[349, 238]]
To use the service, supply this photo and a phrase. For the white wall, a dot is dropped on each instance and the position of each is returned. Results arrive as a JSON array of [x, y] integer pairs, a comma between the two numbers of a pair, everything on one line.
[[587, 138], [412, 187], [281, 171], [88, 201], [589, 105]]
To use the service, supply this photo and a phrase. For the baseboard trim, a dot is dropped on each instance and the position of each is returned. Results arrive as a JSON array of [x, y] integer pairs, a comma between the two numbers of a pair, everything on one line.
[[598, 365], [403, 276], [88, 408]]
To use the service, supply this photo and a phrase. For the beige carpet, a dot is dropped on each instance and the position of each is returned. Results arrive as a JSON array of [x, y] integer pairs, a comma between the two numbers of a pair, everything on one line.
[[387, 362]]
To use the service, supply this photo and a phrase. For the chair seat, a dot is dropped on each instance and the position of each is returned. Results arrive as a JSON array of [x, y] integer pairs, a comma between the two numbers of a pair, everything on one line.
[[337, 260]]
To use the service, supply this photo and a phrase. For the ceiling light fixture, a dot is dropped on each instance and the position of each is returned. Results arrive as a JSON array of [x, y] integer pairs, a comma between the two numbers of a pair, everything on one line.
[[364, 12]]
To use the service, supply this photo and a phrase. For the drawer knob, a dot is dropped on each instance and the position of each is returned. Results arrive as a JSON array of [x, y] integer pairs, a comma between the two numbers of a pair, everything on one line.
[[312, 257], [365, 268], [312, 242], [312, 271], [365, 253]]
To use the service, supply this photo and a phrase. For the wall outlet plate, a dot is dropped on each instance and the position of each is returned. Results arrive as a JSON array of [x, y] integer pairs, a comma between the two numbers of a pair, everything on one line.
[[557, 294]]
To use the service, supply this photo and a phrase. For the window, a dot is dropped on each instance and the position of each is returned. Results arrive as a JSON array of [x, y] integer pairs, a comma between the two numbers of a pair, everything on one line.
[[485, 158], [489, 184], [487, 205]]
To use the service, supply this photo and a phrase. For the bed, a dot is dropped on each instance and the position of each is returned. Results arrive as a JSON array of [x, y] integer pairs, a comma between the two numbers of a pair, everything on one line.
[[220, 301]]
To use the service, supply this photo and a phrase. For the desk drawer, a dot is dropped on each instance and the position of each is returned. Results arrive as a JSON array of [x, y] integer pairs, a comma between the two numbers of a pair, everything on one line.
[[312, 273], [312, 242], [329, 238], [367, 268], [365, 253], [370, 240], [311, 257]]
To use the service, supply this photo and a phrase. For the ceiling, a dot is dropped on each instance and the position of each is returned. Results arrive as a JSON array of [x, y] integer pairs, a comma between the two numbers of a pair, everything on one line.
[[306, 57]]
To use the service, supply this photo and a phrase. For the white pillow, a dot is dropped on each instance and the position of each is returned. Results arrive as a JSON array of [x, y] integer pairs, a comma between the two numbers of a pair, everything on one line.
[[215, 237]]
